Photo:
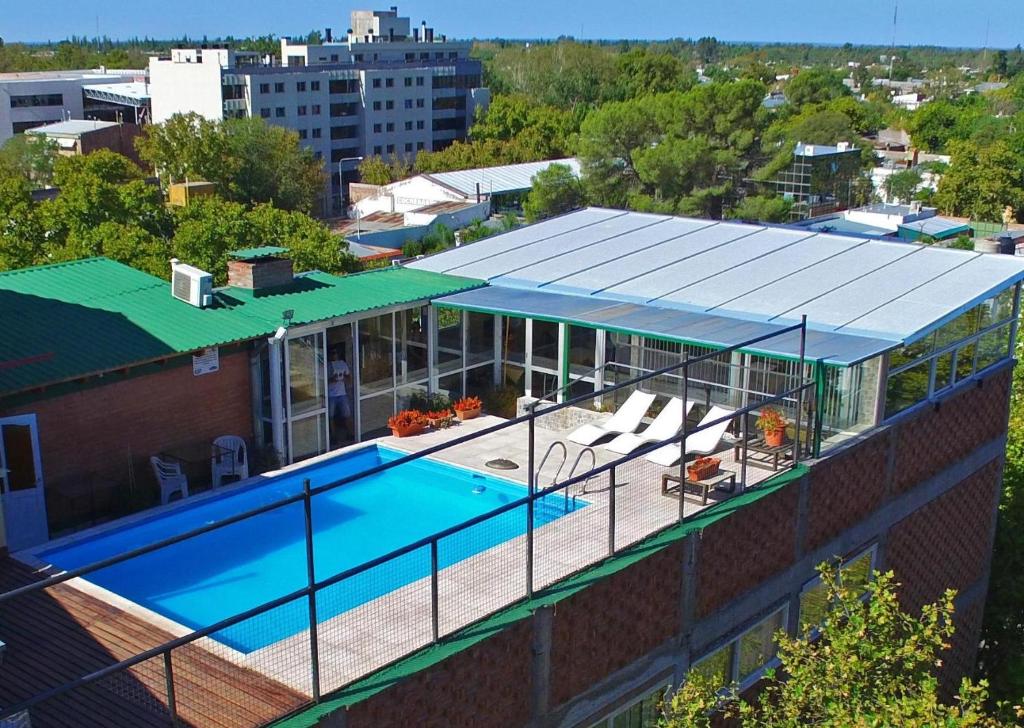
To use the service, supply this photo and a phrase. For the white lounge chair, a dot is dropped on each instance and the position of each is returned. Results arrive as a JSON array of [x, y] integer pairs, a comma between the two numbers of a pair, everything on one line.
[[626, 419], [171, 479], [223, 465], [667, 424], [703, 442]]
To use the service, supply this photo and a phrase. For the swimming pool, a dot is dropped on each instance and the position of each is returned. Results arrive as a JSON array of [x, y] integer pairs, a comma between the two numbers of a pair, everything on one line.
[[211, 577]]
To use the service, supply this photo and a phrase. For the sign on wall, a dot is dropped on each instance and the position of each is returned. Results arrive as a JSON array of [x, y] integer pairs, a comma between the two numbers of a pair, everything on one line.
[[206, 362]]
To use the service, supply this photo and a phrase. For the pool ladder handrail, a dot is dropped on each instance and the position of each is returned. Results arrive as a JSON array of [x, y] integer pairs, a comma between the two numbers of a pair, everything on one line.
[[565, 456], [572, 472]]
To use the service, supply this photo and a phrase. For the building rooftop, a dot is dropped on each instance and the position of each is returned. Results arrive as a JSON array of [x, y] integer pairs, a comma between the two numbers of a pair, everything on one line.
[[937, 227], [265, 251], [897, 292], [70, 320], [131, 93], [838, 224], [72, 128], [97, 73], [498, 180], [822, 150]]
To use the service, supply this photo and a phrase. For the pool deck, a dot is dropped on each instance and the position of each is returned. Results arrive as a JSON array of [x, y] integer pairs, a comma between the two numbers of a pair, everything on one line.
[[65, 631], [378, 632]]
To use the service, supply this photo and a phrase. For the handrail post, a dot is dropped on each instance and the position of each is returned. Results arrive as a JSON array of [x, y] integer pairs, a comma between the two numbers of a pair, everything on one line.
[[800, 392], [314, 640], [685, 387], [172, 702], [611, 512], [434, 616], [531, 487]]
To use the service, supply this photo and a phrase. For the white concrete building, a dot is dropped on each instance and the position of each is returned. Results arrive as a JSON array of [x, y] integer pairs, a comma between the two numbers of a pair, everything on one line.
[[35, 98], [385, 89]]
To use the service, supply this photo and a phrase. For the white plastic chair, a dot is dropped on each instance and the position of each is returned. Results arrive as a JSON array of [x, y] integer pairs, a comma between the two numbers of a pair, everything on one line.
[[171, 479], [667, 424], [703, 442], [626, 419], [224, 466]]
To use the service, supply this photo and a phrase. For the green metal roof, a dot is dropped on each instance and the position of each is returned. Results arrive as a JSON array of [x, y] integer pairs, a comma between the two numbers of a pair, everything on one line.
[[69, 320], [266, 251]]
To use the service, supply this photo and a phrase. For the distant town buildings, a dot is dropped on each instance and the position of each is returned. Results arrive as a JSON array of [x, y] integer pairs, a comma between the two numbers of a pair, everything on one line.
[[32, 99], [81, 136], [383, 88]]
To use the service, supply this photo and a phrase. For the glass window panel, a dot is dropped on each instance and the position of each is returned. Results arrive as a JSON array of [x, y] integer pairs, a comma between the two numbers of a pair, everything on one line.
[[943, 371], [582, 343], [479, 379], [451, 385], [813, 605], [911, 352], [449, 339], [959, 328], [308, 436], [717, 667], [965, 361], [996, 309], [405, 395], [906, 388], [374, 413], [412, 334], [993, 346], [340, 385], [857, 573], [480, 331], [757, 646], [543, 383], [513, 340], [376, 356], [306, 374], [545, 345]]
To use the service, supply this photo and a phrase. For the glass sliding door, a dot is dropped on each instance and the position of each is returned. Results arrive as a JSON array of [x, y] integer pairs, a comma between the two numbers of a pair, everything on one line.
[[341, 385], [376, 374], [306, 365]]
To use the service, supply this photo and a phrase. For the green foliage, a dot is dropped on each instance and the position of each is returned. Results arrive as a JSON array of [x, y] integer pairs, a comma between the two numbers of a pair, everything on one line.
[[30, 155], [554, 191], [962, 242], [814, 86], [643, 71], [758, 208], [373, 170], [438, 238], [249, 160], [901, 186], [871, 665], [982, 181]]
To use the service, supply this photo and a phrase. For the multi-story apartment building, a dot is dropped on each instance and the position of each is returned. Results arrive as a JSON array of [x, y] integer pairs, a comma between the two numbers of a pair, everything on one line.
[[32, 99], [386, 89]]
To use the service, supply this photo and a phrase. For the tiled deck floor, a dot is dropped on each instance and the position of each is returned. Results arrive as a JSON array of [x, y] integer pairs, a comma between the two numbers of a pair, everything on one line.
[[376, 633]]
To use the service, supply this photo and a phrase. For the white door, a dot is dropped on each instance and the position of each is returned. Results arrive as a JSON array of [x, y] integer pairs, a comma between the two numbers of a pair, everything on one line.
[[21, 483]]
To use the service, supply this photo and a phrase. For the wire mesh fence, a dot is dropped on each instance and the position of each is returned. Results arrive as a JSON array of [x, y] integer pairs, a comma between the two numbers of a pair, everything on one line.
[[327, 616]]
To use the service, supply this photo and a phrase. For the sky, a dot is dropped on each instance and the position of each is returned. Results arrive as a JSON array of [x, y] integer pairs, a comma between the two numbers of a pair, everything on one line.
[[919, 22]]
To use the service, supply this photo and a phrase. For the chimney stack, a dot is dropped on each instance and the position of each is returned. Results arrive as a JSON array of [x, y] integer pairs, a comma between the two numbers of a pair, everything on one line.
[[327, 35], [260, 268]]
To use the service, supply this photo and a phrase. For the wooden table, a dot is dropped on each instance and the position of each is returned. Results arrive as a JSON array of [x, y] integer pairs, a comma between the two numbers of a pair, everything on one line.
[[703, 486], [762, 455]]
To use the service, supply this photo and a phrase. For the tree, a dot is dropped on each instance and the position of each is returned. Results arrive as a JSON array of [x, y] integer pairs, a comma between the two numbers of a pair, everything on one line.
[[815, 86], [757, 208], [373, 170], [982, 181], [872, 664], [643, 71], [901, 186], [32, 156], [249, 160], [553, 191], [22, 234]]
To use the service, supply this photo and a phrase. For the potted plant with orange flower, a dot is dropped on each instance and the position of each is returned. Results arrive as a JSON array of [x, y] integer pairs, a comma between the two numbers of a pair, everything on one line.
[[440, 419], [772, 425], [467, 408], [407, 423]]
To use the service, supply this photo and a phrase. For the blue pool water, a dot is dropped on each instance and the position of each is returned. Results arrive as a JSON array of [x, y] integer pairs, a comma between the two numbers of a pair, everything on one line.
[[208, 578]]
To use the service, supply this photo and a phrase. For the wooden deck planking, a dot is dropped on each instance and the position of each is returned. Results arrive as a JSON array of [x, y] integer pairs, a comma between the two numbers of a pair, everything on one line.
[[62, 633]]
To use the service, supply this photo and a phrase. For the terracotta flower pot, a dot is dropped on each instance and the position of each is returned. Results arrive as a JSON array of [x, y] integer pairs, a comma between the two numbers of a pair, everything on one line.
[[407, 431], [774, 438], [468, 414]]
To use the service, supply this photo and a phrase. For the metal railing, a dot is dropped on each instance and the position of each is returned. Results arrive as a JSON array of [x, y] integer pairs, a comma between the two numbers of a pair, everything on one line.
[[422, 592]]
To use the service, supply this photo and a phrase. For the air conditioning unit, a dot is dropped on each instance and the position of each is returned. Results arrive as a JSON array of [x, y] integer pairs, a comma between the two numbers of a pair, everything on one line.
[[191, 285]]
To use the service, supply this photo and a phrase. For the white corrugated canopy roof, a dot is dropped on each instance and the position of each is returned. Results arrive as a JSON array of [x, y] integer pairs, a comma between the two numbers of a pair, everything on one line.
[[896, 292], [498, 180]]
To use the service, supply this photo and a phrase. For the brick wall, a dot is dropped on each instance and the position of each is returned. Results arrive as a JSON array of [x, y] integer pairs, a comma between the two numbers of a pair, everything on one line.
[[640, 610], [96, 431], [486, 685]]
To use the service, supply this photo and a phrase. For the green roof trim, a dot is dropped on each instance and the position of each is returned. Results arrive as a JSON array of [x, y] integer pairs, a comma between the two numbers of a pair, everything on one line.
[[466, 638], [266, 251], [70, 320]]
